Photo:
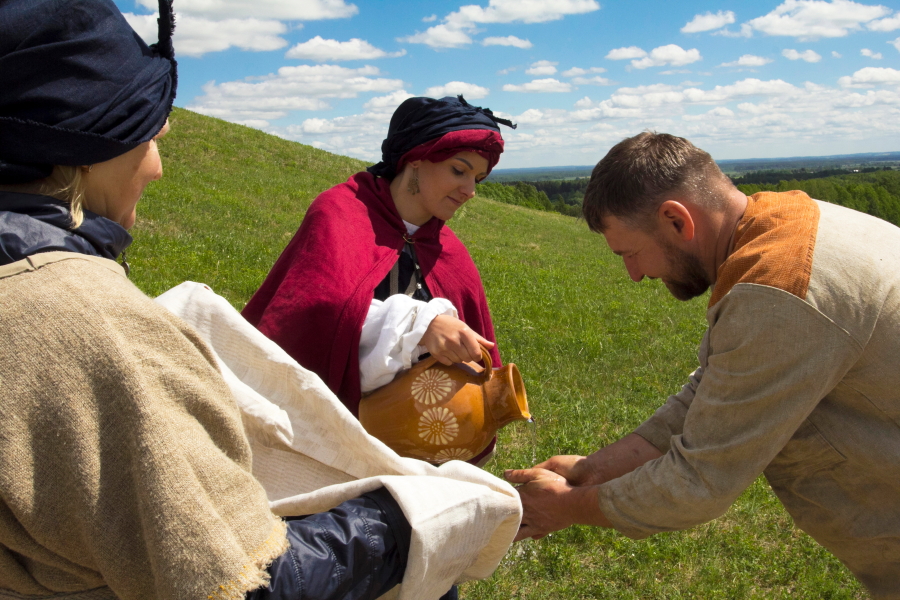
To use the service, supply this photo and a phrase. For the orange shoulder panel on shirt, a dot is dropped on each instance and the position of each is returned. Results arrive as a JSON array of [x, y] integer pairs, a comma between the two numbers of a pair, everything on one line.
[[773, 245]]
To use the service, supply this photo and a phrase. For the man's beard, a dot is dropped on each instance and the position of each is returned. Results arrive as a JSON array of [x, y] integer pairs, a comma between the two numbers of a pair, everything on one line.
[[686, 278]]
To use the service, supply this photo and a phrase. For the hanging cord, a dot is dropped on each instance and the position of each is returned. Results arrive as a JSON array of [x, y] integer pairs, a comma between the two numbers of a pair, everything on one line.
[[489, 113], [125, 264], [415, 281]]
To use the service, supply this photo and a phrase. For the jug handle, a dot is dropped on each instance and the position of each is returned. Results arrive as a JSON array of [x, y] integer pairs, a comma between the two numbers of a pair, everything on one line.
[[488, 369]]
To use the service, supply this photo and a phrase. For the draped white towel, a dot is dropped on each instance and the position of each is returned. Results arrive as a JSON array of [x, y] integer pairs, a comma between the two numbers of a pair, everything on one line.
[[311, 454]]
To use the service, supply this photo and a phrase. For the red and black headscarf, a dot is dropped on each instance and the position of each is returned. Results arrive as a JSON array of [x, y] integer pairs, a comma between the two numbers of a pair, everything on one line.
[[435, 130]]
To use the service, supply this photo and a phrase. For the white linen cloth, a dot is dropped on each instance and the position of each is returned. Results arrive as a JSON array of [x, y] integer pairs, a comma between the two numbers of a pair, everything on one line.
[[391, 334], [311, 454]]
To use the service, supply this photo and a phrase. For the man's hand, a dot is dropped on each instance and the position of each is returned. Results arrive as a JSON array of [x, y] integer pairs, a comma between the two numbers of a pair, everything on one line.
[[574, 468], [608, 463], [549, 503], [451, 341]]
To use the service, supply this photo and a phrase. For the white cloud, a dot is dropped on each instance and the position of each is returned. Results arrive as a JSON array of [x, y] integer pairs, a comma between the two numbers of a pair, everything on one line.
[[886, 24], [578, 71], [321, 50], [722, 119], [870, 76], [542, 67], [457, 27], [748, 60], [625, 53], [539, 85], [870, 54], [896, 44], [591, 81], [469, 90], [585, 102], [521, 11], [430, 19], [197, 36], [284, 10], [745, 31], [439, 36], [718, 112], [709, 21], [807, 55], [354, 135], [835, 54], [274, 96], [811, 19], [509, 40], [670, 54]]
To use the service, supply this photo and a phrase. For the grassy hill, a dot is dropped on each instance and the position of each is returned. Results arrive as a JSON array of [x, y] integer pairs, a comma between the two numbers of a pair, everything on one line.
[[598, 354]]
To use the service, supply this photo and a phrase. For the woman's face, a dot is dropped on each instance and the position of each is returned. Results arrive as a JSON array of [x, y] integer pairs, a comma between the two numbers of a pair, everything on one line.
[[112, 188], [445, 186]]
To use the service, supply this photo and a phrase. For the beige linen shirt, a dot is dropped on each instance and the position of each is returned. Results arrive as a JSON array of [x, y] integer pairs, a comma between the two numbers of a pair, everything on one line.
[[799, 379]]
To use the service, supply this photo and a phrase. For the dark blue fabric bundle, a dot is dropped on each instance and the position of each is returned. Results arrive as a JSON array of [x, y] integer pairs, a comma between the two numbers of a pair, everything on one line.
[[78, 85], [420, 120], [30, 224]]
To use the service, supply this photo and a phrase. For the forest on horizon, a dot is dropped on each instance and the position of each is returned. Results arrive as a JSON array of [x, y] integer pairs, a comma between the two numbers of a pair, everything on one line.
[[872, 190]]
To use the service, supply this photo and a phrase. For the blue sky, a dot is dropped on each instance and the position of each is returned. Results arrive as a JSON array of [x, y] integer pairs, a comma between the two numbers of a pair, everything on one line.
[[740, 79]]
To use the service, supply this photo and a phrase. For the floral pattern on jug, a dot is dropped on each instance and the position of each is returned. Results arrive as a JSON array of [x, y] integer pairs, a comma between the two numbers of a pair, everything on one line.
[[439, 413], [431, 387], [438, 426], [453, 454]]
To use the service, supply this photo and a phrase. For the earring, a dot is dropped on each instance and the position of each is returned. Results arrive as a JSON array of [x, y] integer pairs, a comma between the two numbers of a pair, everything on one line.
[[88, 168], [412, 186]]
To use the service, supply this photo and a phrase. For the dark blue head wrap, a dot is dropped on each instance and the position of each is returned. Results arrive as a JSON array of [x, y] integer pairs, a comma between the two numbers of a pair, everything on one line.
[[420, 120], [78, 85]]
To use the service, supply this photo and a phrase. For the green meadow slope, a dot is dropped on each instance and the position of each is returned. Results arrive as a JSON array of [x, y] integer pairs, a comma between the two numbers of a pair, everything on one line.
[[598, 354]]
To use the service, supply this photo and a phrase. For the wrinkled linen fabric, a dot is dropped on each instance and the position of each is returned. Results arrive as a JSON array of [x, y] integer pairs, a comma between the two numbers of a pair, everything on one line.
[[804, 389], [310, 453], [389, 341], [124, 466], [314, 301]]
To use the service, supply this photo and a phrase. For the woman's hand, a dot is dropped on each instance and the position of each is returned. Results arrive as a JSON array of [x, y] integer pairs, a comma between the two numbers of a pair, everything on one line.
[[451, 341]]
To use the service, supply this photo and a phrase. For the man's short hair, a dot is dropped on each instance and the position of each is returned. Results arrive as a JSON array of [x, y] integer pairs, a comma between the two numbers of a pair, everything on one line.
[[641, 172]]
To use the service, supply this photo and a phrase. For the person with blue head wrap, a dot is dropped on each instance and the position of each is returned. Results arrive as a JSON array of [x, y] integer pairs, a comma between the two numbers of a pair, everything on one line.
[[125, 471]]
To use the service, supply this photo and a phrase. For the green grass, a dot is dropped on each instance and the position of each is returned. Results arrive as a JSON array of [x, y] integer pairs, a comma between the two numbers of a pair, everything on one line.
[[598, 354]]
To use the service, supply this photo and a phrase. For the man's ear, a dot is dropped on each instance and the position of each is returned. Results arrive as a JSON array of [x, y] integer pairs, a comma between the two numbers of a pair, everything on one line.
[[676, 220], [415, 164]]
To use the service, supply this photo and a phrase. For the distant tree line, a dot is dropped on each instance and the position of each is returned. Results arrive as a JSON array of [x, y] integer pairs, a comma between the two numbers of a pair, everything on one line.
[[563, 196], [773, 177], [529, 196], [876, 193]]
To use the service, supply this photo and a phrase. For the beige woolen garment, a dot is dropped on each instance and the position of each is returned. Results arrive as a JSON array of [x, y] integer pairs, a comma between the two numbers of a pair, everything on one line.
[[797, 379], [311, 454], [123, 460]]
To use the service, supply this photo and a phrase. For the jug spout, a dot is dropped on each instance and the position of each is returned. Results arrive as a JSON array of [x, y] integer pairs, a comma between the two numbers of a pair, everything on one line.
[[505, 397]]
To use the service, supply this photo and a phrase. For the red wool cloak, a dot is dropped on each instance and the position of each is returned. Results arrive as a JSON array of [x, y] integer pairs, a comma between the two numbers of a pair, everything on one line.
[[314, 301]]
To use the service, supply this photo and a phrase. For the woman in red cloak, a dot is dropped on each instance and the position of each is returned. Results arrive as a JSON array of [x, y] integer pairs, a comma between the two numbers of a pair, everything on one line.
[[373, 279]]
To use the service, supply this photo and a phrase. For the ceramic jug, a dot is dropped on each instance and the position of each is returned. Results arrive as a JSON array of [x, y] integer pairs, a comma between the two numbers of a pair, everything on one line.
[[438, 413]]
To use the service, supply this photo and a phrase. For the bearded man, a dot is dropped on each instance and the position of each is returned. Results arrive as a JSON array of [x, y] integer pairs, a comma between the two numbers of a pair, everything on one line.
[[799, 373]]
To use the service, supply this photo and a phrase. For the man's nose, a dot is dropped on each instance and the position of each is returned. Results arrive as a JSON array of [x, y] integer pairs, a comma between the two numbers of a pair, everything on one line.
[[633, 270]]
